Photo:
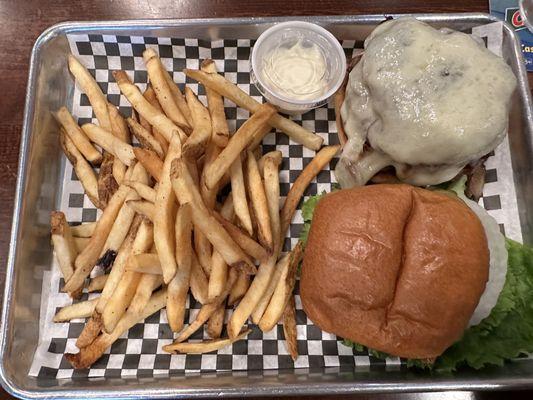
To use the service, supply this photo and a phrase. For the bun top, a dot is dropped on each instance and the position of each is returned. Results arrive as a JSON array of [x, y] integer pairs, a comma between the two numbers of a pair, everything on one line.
[[396, 268]]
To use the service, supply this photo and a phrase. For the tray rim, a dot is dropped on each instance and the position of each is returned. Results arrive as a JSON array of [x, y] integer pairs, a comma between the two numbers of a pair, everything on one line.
[[71, 27]]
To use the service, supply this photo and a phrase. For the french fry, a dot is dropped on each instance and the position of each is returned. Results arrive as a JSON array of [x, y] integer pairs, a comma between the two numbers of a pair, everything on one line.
[[77, 136], [142, 207], [107, 185], [87, 259], [275, 156], [197, 141], [229, 90], [147, 284], [146, 263], [238, 142], [142, 189], [201, 243], [155, 117], [149, 95], [80, 244], [83, 170], [245, 242], [63, 242], [105, 139], [125, 216], [219, 271], [289, 328], [157, 73], [208, 309], [150, 161], [179, 285], [198, 282], [203, 347], [83, 230], [258, 138], [90, 331], [239, 195], [97, 283], [281, 268], [252, 297], [83, 309], [165, 212], [283, 291], [119, 128], [322, 158], [239, 289], [92, 90], [218, 276], [179, 99], [215, 323], [145, 138], [127, 286], [271, 184], [256, 192], [119, 265], [186, 192], [88, 355], [216, 109]]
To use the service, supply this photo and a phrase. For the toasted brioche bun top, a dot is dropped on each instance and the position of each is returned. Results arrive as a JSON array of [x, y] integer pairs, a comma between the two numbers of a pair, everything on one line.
[[396, 268]]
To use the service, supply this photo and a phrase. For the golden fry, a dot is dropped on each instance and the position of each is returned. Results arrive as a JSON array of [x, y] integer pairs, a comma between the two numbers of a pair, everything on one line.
[[203, 347], [322, 158], [97, 283], [289, 328], [92, 90], [165, 212], [142, 189], [245, 242], [229, 90], [83, 230], [79, 139], [179, 285], [186, 192], [220, 134], [142, 207], [196, 143], [283, 291], [199, 283], [256, 192], [83, 170], [107, 184], [83, 309], [145, 138], [157, 73], [105, 139], [63, 242], [238, 142], [150, 161], [155, 117], [239, 195]]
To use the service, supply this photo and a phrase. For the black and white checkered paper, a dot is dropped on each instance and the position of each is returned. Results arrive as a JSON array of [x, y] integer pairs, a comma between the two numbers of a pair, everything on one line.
[[139, 351]]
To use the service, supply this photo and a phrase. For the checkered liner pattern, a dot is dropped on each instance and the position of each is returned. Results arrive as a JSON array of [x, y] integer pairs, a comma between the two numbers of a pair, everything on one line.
[[138, 352]]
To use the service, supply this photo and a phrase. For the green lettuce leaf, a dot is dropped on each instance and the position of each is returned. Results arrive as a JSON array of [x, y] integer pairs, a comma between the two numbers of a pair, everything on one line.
[[508, 331], [308, 208]]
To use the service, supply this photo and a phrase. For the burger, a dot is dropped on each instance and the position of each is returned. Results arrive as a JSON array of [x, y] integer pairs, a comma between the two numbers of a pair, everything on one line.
[[422, 102], [421, 274]]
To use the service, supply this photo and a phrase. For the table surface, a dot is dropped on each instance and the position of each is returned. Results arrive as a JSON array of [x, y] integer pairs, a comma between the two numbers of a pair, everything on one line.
[[21, 22]]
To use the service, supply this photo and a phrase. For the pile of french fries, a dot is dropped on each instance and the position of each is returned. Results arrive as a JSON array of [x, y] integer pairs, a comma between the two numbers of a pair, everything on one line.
[[164, 229]]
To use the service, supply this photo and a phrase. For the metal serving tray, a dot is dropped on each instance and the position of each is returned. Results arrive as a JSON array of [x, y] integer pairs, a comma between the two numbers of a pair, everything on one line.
[[39, 179]]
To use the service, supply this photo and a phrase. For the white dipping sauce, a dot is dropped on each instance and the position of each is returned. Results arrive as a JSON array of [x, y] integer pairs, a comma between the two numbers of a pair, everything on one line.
[[427, 101], [297, 71]]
